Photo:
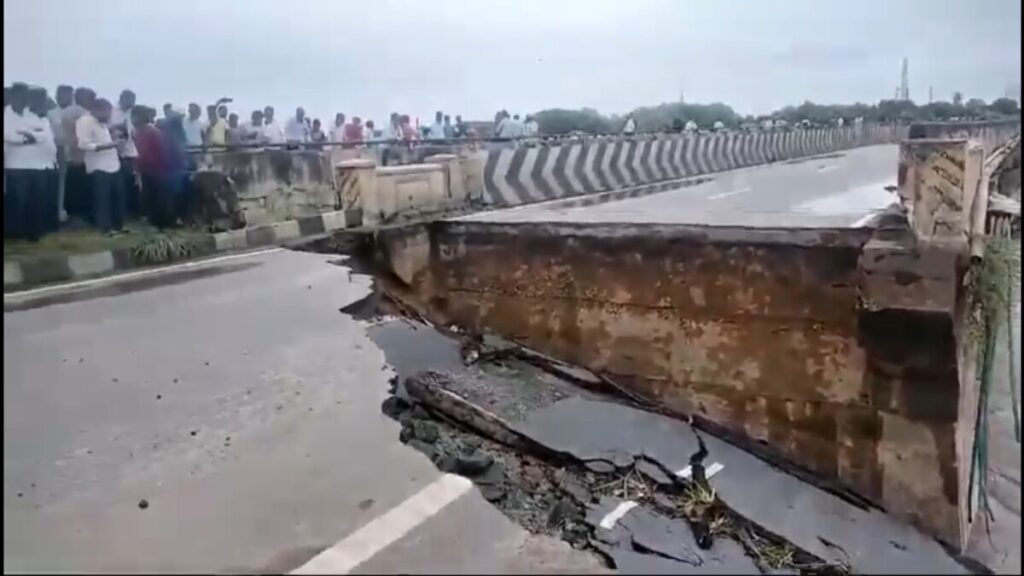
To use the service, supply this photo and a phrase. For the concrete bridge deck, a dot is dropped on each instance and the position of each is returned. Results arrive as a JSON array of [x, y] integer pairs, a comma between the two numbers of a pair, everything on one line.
[[839, 189], [106, 383]]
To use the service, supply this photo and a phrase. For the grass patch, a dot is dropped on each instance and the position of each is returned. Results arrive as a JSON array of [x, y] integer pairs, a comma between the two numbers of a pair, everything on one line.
[[79, 239], [161, 248], [698, 500]]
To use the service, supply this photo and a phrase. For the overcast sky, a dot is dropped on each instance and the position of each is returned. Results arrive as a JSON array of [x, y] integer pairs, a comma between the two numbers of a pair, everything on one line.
[[476, 56]]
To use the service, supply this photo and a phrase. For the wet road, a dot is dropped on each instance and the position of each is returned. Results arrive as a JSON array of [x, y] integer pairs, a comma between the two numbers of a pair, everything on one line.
[[833, 190], [225, 417]]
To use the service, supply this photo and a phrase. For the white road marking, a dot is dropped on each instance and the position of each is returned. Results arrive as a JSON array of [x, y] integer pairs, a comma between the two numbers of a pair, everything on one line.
[[608, 522], [384, 530], [863, 221], [710, 471], [14, 296], [730, 193]]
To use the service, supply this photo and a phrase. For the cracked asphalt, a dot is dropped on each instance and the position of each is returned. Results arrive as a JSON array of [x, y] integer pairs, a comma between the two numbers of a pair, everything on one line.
[[244, 409]]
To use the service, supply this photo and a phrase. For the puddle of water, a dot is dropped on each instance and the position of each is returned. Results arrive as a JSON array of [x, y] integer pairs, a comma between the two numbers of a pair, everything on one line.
[[861, 200], [410, 348]]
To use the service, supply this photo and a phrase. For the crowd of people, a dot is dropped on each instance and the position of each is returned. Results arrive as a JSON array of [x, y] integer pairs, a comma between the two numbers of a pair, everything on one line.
[[80, 156]]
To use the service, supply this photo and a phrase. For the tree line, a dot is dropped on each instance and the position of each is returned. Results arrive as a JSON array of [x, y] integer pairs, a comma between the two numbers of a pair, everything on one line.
[[673, 116]]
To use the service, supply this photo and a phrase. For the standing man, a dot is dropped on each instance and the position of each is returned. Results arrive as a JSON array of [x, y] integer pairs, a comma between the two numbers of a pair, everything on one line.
[[437, 128], [354, 131], [28, 142], [178, 163], [296, 131], [103, 167], [168, 110], [235, 133], [217, 134], [272, 132], [395, 129], [48, 218], [76, 184], [338, 132], [630, 127], [65, 98], [531, 128], [194, 125], [449, 130], [152, 164], [253, 131], [121, 122], [316, 133]]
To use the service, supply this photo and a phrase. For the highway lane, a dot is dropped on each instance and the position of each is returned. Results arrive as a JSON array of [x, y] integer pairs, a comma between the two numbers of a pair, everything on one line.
[[225, 417], [833, 190]]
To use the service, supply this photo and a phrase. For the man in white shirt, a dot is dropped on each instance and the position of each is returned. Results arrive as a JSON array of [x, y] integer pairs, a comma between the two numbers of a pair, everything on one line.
[[395, 127], [252, 131], [296, 130], [103, 166], [121, 121], [272, 132], [76, 184], [630, 128], [531, 127], [195, 126], [437, 128], [338, 132], [28, 157], [514, 128]]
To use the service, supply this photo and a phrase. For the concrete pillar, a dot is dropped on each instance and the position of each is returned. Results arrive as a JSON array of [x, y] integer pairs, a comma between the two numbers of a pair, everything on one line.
[[455, 183], [920, 361], [357, 188], [939, 182]]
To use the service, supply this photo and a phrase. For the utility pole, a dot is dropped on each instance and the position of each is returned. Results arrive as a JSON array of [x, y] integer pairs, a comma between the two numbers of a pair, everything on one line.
[[930, 95], [905, 80]]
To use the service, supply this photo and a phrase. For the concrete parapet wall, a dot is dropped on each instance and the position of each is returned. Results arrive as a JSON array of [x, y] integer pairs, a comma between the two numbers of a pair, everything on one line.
[[384, 193], [991, 134], [571, 168], [830, 348], [939, 183], [273, 185]]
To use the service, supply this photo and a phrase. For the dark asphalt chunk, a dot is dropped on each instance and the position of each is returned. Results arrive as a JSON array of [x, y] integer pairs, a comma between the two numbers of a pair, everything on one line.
[[781, 503], [644, 542]]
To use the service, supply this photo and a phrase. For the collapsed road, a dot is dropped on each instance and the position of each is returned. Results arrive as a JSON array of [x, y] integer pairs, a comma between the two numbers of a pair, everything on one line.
[[558, 451]]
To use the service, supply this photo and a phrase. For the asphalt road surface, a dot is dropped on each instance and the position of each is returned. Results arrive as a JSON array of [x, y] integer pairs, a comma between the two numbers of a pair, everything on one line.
[[841, 189], [226, 417]]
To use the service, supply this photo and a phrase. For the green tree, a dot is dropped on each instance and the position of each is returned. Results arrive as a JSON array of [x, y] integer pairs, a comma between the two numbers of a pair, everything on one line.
[[1005, 106], [958, 99], [562, 121]]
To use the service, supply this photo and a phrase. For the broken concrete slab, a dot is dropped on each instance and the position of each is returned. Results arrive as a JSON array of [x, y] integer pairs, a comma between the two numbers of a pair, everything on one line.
[[807, 516]]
